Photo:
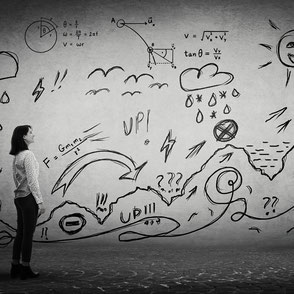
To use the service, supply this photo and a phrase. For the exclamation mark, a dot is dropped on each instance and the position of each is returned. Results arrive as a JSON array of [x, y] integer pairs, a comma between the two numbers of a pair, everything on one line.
[[44, 233], [148, 118], [57, 77], [104, 198], [97, 200]]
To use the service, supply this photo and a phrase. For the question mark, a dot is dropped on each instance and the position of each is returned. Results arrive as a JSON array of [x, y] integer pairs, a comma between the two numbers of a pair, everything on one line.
[[275, 202], [171, 178], [160, 180], [267, 202], [180, 177]]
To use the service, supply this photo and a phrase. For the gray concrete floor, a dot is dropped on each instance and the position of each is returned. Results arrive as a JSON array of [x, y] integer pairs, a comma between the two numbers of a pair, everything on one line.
[[81, 267]]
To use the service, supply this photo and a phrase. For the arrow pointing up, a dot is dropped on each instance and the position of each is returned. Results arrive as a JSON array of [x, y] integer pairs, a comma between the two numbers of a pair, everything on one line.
[[226, 157], [276, 114]]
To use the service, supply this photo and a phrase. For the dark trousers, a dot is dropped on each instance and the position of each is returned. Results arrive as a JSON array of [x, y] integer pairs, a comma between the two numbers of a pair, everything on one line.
[[27, 214]]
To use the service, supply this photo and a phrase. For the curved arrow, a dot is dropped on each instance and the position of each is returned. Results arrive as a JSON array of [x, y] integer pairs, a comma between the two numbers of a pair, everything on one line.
[[76, 167]]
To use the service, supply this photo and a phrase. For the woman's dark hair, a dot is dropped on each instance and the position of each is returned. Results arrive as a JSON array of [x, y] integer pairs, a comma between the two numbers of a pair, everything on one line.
[[17, 142]]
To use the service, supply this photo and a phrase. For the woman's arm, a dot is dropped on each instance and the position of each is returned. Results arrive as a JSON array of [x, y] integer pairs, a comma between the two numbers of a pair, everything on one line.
[[32, 176]]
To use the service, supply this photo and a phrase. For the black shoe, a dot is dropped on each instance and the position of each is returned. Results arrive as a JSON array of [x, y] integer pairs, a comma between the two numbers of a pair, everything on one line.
[[15, 271], [27, 273]]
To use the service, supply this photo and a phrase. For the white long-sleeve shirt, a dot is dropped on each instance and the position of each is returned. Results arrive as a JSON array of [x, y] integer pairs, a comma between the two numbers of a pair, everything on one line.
[[25, 174]]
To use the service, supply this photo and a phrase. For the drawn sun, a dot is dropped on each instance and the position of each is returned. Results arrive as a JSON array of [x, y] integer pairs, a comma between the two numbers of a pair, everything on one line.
[[284, 50]]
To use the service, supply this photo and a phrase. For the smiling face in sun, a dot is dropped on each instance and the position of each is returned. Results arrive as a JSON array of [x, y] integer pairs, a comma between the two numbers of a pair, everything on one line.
[[285, 49]]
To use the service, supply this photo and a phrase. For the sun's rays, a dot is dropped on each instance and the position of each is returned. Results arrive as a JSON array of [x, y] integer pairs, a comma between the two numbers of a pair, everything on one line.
[[273, 25], [288, 76], [264, 65], [269, 47], [283, 55]]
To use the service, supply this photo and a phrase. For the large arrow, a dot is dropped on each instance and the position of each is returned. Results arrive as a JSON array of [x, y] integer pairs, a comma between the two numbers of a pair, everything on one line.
[[76, 167]]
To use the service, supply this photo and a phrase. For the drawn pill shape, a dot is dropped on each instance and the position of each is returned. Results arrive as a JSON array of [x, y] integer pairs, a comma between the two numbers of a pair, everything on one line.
[[73, 223]]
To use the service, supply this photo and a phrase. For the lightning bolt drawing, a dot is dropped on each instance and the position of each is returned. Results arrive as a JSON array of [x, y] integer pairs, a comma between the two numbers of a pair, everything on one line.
[[38, 91], [168, 145]]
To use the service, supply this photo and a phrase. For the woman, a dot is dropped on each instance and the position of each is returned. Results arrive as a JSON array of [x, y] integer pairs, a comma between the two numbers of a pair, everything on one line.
[[28, 200]]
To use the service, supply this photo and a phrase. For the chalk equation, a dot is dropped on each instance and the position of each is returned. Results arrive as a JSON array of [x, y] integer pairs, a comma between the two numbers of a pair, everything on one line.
[[214, 35], [216, 52], [74, 36]]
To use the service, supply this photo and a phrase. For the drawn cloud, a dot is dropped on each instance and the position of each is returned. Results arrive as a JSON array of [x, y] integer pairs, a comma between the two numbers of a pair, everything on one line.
[[208, 76], [8, 65]]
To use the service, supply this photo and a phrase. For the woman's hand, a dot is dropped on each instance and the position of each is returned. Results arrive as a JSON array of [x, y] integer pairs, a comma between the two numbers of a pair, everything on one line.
[[41, 209]]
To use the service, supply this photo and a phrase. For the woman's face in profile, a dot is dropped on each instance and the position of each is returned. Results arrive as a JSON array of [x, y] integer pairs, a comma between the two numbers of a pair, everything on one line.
[[29, 137]]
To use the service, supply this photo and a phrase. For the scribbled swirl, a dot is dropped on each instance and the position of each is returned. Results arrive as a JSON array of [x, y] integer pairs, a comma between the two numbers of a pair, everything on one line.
[[227, 180]]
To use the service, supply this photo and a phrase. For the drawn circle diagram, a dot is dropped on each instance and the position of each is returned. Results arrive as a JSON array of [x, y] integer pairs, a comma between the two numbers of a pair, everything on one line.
[[149, 49], [120, 23], [225, 130], [285, 49], [41, 36]]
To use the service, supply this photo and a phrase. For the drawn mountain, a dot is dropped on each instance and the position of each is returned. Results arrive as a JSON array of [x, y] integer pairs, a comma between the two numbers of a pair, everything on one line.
[[268, 158]]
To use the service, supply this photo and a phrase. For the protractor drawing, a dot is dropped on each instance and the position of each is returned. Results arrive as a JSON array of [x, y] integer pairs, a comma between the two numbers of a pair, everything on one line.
[[41, 35]]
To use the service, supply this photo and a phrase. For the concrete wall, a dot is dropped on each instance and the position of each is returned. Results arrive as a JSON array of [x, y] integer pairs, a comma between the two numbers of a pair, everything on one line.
[[155, 121]]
